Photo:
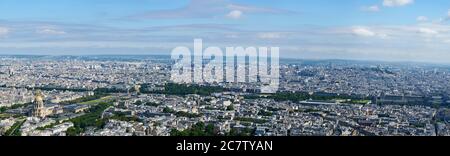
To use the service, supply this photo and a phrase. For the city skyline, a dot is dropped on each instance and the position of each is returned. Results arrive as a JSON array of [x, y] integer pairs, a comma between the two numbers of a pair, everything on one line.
[[383, 30], [224, 76], [137, 96]]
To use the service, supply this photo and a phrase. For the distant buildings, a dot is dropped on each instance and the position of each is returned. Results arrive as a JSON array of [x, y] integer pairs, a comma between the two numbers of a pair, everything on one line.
[[396, 103]]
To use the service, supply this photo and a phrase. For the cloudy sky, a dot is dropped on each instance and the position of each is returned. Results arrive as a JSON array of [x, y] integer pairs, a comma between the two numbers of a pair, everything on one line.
[[389, 30]]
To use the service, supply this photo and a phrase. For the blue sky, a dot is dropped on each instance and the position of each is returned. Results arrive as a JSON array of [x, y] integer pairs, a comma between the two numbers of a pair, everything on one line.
[[390, 30]]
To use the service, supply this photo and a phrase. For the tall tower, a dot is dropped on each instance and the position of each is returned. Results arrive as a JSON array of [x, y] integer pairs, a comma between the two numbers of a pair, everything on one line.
[[38, 108]]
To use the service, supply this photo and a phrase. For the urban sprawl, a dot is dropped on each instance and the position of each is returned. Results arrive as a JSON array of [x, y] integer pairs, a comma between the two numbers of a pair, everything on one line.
[[134, 96]]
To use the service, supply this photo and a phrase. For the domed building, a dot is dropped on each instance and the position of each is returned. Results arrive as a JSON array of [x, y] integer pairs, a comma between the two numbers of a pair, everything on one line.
[[137, 89], [38, 107]]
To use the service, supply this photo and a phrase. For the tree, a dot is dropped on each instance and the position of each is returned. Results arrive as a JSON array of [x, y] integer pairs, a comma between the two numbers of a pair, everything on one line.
[[168, 110], [90, 119], [138, 102], [199, 129], [230, 108]]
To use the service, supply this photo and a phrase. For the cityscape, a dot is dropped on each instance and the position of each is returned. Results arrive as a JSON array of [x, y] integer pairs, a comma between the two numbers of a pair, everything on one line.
[[224, 69], [134, 96]]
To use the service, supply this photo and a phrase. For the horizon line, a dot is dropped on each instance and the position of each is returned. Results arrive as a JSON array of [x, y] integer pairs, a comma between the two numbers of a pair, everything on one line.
[[282, 58]]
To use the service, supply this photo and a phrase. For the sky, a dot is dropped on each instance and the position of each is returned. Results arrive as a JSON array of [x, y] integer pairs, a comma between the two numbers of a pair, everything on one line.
[[386, 30]]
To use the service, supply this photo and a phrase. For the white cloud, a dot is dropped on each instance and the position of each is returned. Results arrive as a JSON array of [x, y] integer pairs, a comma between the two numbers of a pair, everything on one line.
[[87, 44], [422, 18], [4, 31], [367, 32], [427, 31], [363, 32], [443, 19], [427, 40], [373, 8], [254, 9], [269, 35], [235, 14], [49, 31], [397, 3], [447, 17], [208, 9]]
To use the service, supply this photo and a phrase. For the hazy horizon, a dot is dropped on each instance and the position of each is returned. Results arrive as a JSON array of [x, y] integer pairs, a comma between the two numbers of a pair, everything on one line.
[[378, 30], [282, 59]]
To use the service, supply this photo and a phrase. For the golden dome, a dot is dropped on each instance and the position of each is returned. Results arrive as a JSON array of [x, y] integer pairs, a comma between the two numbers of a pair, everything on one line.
[[38, 96], [137, 88]]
